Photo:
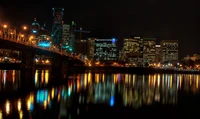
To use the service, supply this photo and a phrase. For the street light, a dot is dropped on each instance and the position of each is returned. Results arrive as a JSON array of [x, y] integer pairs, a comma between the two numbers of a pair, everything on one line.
[[5, 26], [24, 27]]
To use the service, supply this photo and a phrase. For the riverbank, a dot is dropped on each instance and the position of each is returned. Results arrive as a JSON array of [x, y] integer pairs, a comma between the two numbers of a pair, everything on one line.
[[136, 70]]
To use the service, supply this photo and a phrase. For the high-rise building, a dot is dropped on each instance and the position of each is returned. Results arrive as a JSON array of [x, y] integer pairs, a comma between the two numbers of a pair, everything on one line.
[[149, 50], [35, 27], [105, 50], [169, 50], [91, 48], [71, 41], [57, 26], [132, 51], [81, 47], [158, 53], [65, 35]]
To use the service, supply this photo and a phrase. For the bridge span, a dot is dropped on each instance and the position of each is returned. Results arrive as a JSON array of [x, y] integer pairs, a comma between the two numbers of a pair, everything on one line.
[[61, 61]]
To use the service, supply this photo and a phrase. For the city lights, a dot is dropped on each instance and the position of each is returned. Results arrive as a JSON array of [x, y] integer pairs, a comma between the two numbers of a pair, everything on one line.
[[7, 107], [24, 27], [136, 61], [5, 26], [44, 44]]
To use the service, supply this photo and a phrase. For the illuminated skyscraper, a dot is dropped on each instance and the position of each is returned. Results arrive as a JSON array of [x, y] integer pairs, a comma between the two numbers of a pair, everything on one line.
[[158, 53], [65, 35], [35, 27], [105, 50], [169, 50], [149, 50], [72, 37], [57, 26], [91, 48], [132, 51]]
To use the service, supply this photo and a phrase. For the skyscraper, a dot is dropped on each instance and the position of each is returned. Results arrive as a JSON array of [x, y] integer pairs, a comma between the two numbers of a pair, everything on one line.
[[169, 50], [35, 27], [105, 50], [56, 34]]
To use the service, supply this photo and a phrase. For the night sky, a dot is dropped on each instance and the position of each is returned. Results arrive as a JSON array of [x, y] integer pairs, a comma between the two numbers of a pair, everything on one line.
[[162, 19]]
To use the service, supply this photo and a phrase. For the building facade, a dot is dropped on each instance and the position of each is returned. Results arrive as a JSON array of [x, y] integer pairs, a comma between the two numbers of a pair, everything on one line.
[[91, 48], [158, 53], [132, 51], [169, 50], [65, 34], [149, 55], [35, 27], [105, 50], [81, 47]]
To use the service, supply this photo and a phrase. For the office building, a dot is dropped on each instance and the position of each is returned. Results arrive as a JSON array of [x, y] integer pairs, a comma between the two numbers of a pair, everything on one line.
[[35, 27], [91, 48], [149, 55], [105, 50], [169, 50], [65, 35], [158, 53], [132, 51]]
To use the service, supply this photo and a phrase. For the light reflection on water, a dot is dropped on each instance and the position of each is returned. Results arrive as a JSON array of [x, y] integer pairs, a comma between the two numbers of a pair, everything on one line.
[[126, 90], [41, 77], [10, 80]]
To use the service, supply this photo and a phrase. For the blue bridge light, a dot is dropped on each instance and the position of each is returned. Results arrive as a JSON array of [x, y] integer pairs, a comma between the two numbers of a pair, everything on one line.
[[67, 47], [34, 31], [44, 44]]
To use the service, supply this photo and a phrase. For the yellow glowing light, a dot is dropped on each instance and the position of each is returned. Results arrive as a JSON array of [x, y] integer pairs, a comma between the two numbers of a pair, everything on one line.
[[19, 105], [7, 107], [30, 101], [47, 61], [46, 76], [5, 26], [24, 27], [1, 115], [52, 93], [45, 104], [21, 114], [28, 104]]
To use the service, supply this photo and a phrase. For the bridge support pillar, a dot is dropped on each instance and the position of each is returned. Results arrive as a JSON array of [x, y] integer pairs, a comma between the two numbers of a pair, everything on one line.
[[27, 70], [59, 68]]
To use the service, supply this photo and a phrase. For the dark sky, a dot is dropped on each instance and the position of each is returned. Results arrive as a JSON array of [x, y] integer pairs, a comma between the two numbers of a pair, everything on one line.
[[162, 19]]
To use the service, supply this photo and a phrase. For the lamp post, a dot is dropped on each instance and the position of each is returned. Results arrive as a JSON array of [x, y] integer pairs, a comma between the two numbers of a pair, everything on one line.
[[5, 31]]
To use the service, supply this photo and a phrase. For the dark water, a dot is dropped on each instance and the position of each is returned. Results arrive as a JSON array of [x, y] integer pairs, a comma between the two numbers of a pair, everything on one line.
[[103, 96]]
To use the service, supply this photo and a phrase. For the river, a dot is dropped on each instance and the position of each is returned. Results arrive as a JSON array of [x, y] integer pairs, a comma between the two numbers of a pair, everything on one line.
[[100, 95]]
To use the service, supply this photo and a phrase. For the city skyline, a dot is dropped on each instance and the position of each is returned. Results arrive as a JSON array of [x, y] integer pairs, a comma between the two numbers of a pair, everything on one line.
[[151, 19]]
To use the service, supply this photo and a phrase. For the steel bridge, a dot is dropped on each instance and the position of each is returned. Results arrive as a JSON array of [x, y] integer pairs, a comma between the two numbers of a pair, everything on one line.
[[19, 43], [61, 61]]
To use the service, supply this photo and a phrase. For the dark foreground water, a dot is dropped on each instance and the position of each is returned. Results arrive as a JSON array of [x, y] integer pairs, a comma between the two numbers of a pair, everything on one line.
[[104, 96]]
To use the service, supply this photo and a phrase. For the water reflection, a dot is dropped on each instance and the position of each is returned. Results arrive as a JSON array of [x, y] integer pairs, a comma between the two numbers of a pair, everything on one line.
[[41, 78], [10, 80], [135, 90], [118, 90]]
